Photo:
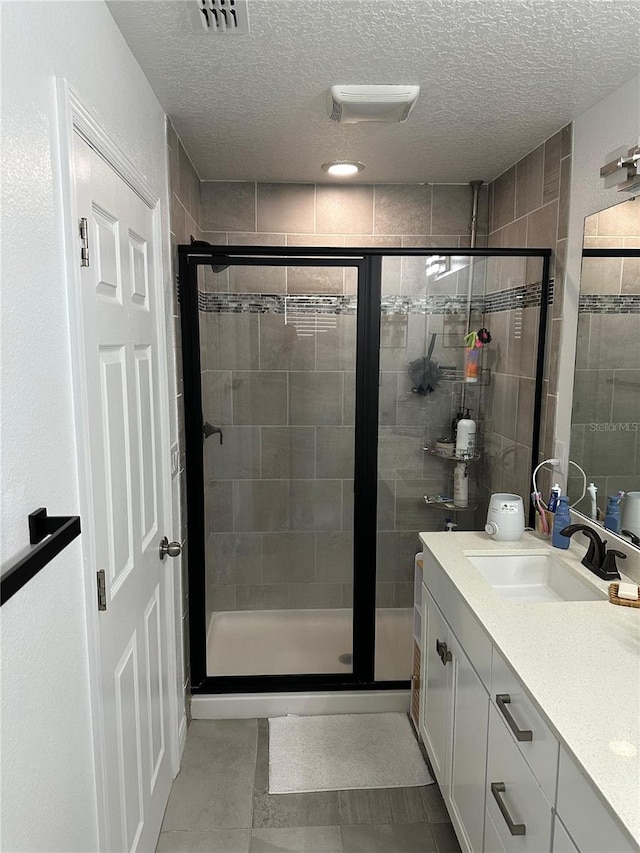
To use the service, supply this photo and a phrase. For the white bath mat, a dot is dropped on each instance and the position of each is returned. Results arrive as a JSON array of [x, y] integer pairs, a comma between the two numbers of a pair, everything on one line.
[[341, 752]]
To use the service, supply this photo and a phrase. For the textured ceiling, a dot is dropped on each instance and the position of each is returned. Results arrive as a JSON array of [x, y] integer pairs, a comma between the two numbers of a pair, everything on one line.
[[497, 77]]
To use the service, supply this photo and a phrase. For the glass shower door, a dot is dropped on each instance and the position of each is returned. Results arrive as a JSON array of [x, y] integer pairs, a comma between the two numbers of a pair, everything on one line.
[[278, 360]]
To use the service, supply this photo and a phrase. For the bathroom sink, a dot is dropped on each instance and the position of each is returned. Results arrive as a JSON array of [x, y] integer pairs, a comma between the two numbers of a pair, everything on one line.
[[534, 577]]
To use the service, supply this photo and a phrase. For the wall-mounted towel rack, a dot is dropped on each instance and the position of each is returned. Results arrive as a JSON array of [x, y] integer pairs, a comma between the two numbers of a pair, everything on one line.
[[48, 536]]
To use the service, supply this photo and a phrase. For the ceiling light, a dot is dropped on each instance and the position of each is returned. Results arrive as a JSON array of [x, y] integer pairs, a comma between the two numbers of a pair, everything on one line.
[[342, 168]]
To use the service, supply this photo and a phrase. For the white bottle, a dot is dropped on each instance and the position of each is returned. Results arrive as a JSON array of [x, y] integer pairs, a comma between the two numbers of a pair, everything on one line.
[[460, 485], [466, 437]]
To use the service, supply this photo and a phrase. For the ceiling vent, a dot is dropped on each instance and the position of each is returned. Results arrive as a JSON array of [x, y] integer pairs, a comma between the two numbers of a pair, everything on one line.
[[220, 16], [390, 104]]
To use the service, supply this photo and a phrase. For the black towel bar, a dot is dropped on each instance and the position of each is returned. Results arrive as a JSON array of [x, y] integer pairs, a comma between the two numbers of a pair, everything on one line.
[[48, 536]]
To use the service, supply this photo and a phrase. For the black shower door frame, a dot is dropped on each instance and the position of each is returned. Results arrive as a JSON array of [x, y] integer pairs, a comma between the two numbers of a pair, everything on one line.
[[368, 264]]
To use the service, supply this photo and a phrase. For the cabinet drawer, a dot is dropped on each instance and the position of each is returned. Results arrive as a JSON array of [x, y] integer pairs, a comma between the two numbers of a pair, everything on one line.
[[511, 783], [460, 617], [587, 819], [562, 843], [524, 721], [492, 843]]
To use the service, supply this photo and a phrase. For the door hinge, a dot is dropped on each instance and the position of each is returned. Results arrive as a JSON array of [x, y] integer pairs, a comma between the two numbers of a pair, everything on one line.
[[102, 590], [84, 242]]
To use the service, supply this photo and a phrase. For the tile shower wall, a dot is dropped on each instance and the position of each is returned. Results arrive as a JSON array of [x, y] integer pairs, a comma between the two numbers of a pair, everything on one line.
[[528, 207], [286, 404], [184, 186], [606, 414]]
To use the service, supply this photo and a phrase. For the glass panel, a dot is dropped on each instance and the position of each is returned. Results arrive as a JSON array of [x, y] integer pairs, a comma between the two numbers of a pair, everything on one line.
[[278, 368], [429, 305]]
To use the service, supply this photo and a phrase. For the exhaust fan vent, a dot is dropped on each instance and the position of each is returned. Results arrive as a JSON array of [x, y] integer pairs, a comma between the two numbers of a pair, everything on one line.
[[390, 104], [220, 16]]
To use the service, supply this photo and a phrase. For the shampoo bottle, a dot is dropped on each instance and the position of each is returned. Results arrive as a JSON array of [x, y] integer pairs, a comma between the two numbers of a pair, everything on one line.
[[466, 437], [561, 519], [612, 517]]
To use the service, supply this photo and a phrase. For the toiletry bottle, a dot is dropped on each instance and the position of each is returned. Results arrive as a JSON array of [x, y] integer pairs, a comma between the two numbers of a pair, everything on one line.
[[561, 519], [556, 491], [466, 437], [612, 517], [460, 485], [472, 364], [593, 492]]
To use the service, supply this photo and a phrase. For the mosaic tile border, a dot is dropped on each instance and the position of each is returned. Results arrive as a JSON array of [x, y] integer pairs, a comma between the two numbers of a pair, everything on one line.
[[621, 303], [276, 303]]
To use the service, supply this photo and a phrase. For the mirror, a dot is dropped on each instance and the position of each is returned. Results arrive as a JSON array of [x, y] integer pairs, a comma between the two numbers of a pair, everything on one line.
[[605, 420]]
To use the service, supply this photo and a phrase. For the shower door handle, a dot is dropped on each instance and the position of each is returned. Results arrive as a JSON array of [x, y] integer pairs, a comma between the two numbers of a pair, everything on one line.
[[208, 430]]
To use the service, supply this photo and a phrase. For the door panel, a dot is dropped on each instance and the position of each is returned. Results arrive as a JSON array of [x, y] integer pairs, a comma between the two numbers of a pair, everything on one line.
[[123, 384]]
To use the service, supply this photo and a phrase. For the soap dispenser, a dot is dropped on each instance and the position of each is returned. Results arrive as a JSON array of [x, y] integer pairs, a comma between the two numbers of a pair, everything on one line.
[[612, 517], [561, 519]]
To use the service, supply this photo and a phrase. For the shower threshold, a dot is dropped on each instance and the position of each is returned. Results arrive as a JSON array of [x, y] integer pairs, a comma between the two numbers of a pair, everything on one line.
[[291, 642]]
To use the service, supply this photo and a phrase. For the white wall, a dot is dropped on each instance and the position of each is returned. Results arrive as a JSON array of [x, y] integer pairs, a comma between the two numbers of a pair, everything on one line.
[[48, 788], [611, 123]]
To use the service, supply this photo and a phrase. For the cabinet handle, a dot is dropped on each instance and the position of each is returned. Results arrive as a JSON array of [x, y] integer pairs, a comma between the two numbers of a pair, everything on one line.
[[498, 788], [443, 652], [503, 699]]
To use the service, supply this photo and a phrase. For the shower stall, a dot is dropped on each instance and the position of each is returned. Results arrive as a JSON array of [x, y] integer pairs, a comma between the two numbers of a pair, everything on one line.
[[311, 446]]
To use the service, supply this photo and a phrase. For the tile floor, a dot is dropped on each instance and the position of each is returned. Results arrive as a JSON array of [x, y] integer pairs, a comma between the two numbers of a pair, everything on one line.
[[219, 804]]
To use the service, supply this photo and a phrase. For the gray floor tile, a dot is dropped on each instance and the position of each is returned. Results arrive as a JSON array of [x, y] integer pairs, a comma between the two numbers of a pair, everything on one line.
[[381, 805], [214, 841], [307, 839], [214, 787], [388, 838], [445, 837], [287, 810], [434, 806]]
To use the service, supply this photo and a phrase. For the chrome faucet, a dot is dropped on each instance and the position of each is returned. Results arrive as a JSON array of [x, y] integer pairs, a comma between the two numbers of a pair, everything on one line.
[[597, 559]]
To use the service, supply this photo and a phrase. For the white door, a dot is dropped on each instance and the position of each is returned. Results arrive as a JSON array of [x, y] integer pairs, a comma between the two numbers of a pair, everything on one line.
[[120, 329]]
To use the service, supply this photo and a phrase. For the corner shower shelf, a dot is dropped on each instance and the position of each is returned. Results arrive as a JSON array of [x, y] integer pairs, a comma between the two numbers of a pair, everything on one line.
[[450, 456], [450, 506], [48, 535], [454, 374]]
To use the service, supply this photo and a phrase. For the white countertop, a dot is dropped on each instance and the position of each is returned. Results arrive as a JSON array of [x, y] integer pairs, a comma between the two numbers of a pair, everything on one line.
[[579, 661]]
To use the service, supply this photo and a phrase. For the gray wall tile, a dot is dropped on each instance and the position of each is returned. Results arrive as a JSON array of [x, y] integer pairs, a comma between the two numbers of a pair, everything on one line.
[[451, 209], [286, 208], [281, 348], [218, 503], [234, 558], [336, 348], [303, 280], [334, 557], [316, 596], [334, 452], [216, 397], [396, 553], [402, 209], [315, 398], [288, 453], [504, 198], [288, 557], [529, 182], [262, 597], [315, 504], [259, 397], [344, 210], [237, 458], [230, 341], [261, 505], [228, 206]]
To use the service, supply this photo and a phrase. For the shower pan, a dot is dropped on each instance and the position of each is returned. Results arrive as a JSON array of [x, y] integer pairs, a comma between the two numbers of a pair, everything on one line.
[[309, 446]]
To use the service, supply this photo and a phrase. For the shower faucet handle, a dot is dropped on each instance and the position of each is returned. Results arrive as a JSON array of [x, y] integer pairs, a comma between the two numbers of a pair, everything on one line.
[[208, 430]]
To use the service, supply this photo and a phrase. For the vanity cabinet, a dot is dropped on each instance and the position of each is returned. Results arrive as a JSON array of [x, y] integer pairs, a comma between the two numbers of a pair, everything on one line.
[[453, 723], [507, 781]]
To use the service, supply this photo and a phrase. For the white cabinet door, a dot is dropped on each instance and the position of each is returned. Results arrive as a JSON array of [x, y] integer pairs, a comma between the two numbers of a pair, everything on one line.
[[468, 760], [435, 722]]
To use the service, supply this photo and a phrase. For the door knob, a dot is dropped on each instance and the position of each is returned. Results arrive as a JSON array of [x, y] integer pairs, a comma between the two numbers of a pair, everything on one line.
[[173, 549]]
